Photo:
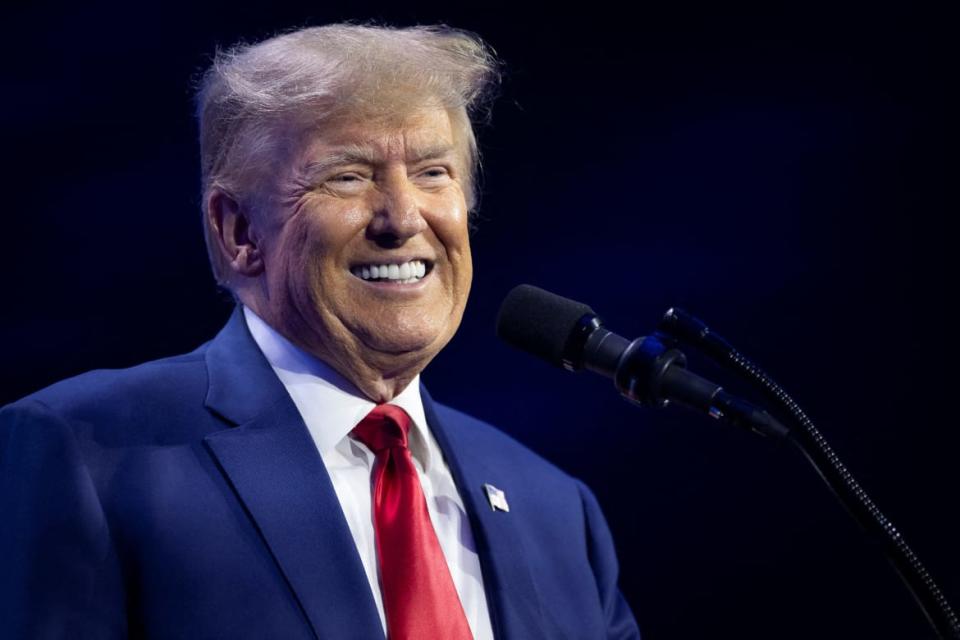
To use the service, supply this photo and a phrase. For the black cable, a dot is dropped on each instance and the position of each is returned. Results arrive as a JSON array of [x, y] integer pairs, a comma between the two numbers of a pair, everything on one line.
[[818, 452]]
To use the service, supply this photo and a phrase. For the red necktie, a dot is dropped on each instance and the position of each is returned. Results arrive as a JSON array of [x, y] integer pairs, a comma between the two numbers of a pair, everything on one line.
[[419, 597]]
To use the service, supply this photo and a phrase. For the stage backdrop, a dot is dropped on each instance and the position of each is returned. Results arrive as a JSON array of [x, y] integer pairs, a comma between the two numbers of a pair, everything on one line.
[[782, 174]]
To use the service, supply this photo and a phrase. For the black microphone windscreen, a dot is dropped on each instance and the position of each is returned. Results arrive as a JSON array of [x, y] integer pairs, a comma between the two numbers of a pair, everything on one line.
[[539, 322]]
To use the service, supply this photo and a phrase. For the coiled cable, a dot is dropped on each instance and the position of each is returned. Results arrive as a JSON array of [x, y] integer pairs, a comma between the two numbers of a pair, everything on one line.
[[804, 434]]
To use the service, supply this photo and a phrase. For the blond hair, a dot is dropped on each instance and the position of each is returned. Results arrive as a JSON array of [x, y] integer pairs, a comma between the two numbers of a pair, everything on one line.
[[318, 73]]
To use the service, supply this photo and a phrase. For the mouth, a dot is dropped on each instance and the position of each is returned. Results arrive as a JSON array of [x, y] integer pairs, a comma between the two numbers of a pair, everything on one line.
[[408, 272]]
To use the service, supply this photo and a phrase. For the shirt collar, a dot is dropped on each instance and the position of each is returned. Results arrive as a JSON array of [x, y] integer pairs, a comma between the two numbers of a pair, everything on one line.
[[330, 405]]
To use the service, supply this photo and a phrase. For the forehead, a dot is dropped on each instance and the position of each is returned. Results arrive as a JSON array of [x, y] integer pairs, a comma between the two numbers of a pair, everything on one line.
[[407, 137]]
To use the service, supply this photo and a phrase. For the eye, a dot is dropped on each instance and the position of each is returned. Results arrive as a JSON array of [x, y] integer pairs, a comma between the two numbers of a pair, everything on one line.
[[346, 178], [347, 182], [434, 173]]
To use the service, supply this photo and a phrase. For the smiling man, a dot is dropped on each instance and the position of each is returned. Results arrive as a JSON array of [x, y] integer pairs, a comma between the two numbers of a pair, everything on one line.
[[291, 478], [363, 257]]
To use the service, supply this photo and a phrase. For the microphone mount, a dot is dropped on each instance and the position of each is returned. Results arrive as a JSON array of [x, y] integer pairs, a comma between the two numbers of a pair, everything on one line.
[[647, 372]]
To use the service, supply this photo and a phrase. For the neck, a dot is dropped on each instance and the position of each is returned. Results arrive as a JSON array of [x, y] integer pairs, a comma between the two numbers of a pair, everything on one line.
[[378, 375]]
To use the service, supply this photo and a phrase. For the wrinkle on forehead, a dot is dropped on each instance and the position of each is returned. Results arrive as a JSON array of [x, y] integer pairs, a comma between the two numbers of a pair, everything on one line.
[[420, 136]]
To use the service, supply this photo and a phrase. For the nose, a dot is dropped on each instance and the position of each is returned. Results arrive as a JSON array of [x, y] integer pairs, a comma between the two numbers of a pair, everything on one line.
[[397, 215]]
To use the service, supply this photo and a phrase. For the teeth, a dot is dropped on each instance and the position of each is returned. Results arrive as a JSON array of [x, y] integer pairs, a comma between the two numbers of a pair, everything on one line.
[[405, 273]]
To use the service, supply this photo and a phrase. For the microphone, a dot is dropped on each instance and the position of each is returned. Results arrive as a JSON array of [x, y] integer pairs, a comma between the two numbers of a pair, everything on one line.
[[569, 334]]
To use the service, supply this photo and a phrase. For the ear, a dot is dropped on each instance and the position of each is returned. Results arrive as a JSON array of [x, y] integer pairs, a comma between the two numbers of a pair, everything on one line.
[[233, 234]]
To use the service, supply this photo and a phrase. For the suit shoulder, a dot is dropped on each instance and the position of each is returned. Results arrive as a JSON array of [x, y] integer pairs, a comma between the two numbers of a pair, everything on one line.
[[142, 385]]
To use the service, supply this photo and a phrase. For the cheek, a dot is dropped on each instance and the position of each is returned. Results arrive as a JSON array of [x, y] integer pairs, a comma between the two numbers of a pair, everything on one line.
[[457, 240], [290, 251], [452, 227], [292, 264], [464, 259], [318, 257], [466, 279]]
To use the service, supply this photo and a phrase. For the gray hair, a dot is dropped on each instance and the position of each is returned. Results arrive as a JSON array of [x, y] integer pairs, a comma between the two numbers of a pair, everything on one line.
[[311, 75]]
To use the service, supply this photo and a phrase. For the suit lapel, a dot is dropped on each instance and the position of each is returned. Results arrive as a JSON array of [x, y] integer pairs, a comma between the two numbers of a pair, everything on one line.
[[511, 593], [273, 466]]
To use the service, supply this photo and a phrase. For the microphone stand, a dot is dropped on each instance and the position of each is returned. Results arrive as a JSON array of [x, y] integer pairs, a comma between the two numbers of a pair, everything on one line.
[[805, 436]]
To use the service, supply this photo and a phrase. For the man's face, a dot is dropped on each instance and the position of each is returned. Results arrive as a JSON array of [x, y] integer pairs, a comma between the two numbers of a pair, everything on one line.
[[365, 241]]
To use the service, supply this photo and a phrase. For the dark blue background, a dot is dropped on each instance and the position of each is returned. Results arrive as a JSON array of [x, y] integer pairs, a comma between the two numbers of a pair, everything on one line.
[[781, 173]]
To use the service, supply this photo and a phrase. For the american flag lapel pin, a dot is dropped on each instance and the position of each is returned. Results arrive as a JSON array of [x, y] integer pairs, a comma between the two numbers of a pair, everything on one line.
[[497, 498]]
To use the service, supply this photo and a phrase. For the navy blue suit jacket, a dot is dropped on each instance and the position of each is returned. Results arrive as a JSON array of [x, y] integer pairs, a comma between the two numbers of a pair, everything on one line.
[[184, 498]]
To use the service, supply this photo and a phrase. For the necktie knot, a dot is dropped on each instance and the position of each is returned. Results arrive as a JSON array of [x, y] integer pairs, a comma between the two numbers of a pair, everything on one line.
[[386, 426]]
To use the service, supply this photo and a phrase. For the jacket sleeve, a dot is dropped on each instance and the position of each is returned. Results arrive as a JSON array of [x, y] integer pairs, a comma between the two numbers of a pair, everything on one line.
[[620, 622], [59, 574]]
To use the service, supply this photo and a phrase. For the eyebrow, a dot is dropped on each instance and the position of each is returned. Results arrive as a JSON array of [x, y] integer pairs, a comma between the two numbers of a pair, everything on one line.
[[362, 154]]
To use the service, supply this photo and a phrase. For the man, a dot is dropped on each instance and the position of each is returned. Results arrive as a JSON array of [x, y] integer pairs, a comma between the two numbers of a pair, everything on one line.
[[290, 478]]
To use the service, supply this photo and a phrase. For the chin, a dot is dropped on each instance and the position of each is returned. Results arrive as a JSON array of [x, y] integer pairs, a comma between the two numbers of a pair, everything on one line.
[[403, 344], [408, 338], [407, 332]]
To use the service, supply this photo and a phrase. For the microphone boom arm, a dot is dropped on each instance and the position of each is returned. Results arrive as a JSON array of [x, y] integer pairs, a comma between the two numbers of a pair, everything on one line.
[[648, 373]]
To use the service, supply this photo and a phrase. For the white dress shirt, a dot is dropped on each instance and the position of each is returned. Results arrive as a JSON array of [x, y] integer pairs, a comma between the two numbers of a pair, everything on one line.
[[331, 407]]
